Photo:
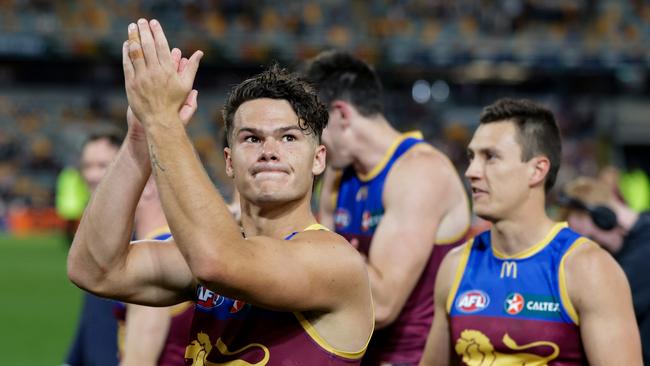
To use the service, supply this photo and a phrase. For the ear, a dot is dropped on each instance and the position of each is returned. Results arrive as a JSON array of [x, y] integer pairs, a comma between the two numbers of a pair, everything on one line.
[[227, 157], [318, 166], [539, 167], [345, 111]]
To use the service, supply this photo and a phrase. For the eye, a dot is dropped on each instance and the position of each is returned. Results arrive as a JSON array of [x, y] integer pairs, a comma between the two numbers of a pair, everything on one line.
[[289, 138], [251, 138]]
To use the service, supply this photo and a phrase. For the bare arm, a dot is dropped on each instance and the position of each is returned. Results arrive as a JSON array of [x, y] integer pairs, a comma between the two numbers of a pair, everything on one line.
[[402, 244], [438, 349], [101, 260], [261, 270], [601, 295], [146, 333]]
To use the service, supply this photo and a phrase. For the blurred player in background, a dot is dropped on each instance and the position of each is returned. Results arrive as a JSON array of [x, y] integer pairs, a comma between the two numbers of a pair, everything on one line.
[[268, 298], [95, 342], [594, 211], [397, 199], [530, 290]]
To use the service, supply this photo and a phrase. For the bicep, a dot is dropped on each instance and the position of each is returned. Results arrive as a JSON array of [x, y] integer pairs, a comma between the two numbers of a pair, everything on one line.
[[154, 273], [405, 237], [601, 295], [310, 272]]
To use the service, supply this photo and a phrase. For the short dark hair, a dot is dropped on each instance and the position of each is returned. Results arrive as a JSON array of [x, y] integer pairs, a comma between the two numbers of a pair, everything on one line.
[[278, 83], [114, 138], [538, 131], [339, 75]]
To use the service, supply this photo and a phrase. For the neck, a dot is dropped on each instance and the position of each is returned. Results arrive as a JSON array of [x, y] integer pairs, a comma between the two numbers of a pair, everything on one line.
[[148, 218], [276, 220], [522, 230], [372, 139]]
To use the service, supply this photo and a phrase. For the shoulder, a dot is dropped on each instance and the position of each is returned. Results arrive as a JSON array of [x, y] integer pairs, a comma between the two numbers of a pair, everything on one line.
[[591, 273], [417, 171], [423, 155], [330, 247]]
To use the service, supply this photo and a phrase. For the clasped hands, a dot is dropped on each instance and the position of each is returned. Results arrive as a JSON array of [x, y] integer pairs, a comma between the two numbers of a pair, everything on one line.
[[158, 80]]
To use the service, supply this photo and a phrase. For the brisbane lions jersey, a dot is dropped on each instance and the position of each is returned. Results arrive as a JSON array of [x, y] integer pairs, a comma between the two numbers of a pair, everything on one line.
[[515, 310]]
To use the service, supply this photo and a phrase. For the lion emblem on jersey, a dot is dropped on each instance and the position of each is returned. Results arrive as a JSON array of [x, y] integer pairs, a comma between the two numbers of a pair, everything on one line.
[[201, 347], [476, 350]]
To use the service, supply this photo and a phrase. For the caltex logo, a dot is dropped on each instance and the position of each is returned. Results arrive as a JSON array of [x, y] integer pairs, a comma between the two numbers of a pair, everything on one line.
[[472, 301], [514, 303]]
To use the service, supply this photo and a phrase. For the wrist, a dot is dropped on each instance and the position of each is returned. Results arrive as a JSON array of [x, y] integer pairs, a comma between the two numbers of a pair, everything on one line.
[[138, 154]]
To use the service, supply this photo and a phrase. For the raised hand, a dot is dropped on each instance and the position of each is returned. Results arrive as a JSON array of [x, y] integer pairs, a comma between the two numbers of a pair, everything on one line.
[[158, 81]]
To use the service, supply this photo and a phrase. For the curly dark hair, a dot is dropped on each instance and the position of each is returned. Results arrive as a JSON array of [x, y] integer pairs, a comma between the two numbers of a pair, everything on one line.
[[538, 131], [277, 83], [339, 75]]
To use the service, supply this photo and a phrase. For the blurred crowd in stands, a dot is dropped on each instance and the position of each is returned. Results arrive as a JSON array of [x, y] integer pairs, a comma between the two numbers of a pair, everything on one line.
[[42, 127], [549, 33]]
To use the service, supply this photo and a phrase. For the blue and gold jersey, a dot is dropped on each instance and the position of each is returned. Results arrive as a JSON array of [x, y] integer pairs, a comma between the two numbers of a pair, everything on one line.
[[359, 211], [359, 203], [516, 310]]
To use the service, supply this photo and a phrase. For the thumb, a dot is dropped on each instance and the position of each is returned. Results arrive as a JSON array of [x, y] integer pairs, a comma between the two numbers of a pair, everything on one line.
[[189, 72], [189, 106]]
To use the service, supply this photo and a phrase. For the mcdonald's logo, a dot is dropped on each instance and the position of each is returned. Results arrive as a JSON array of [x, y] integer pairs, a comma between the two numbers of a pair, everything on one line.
[[509, 269]]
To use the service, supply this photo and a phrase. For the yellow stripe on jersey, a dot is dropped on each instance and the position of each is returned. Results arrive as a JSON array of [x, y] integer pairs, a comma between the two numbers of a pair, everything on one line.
[[311, 331], [535, 248], [154, 233], [462, 263], [561, 278], [389, 153]]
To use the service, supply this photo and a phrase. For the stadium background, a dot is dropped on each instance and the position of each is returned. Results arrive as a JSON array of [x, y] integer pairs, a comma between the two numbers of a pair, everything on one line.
[[440, 60]]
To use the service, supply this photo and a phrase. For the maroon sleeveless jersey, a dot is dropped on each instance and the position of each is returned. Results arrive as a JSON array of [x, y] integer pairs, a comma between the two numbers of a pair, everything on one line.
[[231, 332]]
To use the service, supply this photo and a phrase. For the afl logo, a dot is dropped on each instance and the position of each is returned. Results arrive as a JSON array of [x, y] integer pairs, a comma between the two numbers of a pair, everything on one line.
[[514, 303], [472, 301], [342, 218]]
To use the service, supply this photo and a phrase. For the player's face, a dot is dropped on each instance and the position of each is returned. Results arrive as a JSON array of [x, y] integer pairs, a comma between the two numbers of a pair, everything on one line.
[[498, 177], [271, 159], [582, 223], [335, 139], [96, 157]]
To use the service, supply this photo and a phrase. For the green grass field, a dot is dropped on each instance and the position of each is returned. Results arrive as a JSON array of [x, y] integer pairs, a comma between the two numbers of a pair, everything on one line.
[[39, 307]]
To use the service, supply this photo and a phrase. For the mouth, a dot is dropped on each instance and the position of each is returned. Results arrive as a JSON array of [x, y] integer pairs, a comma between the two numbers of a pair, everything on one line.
[[268, 171], [477, 192]]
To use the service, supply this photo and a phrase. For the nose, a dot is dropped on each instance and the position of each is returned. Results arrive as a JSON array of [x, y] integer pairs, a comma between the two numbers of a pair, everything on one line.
[[473, 170], [270, 150]]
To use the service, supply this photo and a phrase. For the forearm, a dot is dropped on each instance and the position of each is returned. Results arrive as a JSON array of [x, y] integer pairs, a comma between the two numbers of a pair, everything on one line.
[[104, 233], [146, 333], [197, 215]]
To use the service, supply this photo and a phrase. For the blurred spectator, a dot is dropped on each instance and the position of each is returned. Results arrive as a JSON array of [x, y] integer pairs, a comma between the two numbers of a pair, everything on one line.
[[96, 340], [594, 211]]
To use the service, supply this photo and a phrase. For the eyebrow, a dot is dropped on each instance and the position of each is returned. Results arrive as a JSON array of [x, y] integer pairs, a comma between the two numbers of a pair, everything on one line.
[[258, 131]]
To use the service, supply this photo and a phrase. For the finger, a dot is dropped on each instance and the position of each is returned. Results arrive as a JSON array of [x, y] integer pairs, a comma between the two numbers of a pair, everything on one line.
[[182, 65], [192, 67], [189, 107], [137, 59], [134, 38], [176, 57], [127, 65], [160, 42], [147, 42]]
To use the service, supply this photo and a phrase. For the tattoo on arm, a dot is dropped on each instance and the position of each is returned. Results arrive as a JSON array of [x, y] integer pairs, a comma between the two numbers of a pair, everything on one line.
[[155, 164]]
